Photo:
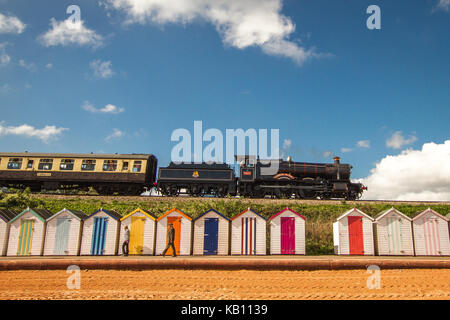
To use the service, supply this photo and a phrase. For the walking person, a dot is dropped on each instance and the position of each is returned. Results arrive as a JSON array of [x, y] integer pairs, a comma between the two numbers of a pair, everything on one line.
[[125, 245], [170, 241]]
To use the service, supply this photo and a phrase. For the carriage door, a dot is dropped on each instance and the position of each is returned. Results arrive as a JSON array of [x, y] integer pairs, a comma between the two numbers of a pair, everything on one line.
[[62, 236], [432, 241], [287, 235], [25, 237], [394, 232], [248, 240], [137, 235], [99, 236], [355, 235], [176, 221], [211, 236]]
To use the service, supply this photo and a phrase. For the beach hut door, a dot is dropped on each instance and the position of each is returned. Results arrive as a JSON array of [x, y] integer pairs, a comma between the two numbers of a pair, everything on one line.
[[99, 236], [62, 236], [287, 235], [211, 236], [137, 235], [176, 221], [25, 237], [394, 235], [248, 236], [432, 241], [355, 234]]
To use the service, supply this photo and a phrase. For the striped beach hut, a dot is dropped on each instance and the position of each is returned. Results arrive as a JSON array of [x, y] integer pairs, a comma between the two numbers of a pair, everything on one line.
[[394, 233], [182, 224], [353, 234], [211, 234], [26, 233], [287, 232], [5, 217], [431, 236], [63, 233], [248, 233], [100, 233], [142, 226]]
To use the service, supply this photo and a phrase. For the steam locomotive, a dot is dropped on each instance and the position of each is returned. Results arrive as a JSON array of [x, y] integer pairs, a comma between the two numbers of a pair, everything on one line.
[[259, 179]]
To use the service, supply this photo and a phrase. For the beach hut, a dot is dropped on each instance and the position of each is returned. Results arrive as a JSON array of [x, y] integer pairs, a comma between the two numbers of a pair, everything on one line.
[[248, 233], [394, 233], [211, 234], [100, 233], [353, 234], [63, 233], [5, 217], [142, 226], [26, 233], [431, 237], [287, 232], [182, 224]]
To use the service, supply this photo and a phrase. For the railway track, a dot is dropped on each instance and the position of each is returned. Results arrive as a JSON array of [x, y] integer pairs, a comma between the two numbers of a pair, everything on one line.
[[251, 200]]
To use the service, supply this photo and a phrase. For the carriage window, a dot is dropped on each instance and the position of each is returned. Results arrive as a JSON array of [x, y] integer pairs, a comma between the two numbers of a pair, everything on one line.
[[137, 166], [125, 165], [15, 163], [88, 165], [109, 165], [66, 164], [45, 164], [30, 164]]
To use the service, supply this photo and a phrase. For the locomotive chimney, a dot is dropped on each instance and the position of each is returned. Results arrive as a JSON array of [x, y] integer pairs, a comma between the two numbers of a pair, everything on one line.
[[337, 160]]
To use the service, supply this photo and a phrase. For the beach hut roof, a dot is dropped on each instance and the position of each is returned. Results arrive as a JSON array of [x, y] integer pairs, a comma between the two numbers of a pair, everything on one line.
[[246, 210], [41, 214], [286, 209], [381, 215], [7, 215], [113, 214], [419, 214], [80, 215], [175, 210], [145, 212], [355, 210], [208, 211]]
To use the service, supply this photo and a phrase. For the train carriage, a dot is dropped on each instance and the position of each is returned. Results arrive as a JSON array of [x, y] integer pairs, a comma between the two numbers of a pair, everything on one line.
[[106, 173]]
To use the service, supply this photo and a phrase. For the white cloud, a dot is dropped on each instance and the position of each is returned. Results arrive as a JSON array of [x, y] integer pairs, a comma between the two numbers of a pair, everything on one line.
[[4, 58], [5, 88], [363, 144], [412, 175], [240, 23], [102, 69], [443, 5], [397, 140], [287, 143], [67, 32], [114, 135], [11, 24], [49, 65], [109, 108], [45, 134], [327, 154], [345, 150], [28, 66]]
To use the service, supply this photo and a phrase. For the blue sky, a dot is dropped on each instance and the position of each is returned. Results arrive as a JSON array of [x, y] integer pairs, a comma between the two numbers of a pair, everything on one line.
[[342, 85]]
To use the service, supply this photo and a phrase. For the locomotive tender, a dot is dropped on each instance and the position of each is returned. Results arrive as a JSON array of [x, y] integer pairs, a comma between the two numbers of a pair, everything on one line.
[[132, 174]]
